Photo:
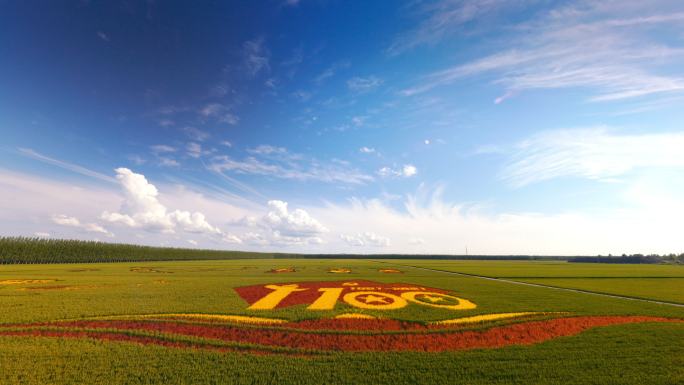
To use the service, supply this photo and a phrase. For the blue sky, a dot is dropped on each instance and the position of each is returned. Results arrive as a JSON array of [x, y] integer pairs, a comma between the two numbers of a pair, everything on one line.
[[345, 126]]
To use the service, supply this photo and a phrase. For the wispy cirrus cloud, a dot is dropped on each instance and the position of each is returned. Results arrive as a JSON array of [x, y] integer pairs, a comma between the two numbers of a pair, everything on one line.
[[65, 165], [256, 56], [219, 112], [280, 163], [103, 36], [442, 18], [330, 71], [364, 84], [592, 153], [609, 48]]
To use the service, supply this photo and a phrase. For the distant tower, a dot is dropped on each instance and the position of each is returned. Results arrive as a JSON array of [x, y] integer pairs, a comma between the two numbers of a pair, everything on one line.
[[466, 250]]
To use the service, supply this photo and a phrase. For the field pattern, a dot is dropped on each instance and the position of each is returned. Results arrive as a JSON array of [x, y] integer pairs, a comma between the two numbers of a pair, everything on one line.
[[322, 317]]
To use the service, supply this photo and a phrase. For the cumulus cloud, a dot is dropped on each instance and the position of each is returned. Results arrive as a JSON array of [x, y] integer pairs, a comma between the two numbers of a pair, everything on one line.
[[142, 209], [282, 226], [291, 223], [366, 239], [646, 219], [65, 220], [366, 150], [407, 171]]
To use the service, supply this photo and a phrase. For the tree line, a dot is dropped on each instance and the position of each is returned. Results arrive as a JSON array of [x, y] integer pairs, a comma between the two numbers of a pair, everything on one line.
[[27, 250]]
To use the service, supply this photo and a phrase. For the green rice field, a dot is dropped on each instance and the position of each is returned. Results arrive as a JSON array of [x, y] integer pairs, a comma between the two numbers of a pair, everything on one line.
[[122, 323]]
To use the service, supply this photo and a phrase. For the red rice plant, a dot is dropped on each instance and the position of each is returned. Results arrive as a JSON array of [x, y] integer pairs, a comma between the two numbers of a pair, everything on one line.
[[303, 336]]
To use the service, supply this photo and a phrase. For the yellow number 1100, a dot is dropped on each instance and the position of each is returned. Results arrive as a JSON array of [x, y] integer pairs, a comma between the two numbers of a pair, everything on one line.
[[362, 299]]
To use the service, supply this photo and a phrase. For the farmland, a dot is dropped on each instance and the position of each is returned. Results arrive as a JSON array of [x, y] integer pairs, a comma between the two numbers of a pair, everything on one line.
[[656, 282], [208, 322]]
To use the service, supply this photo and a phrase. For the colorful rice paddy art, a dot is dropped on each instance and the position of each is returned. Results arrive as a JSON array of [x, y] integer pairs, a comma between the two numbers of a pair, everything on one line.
[[391, 271], [340, 270], [258, 331], [360, 294], [314, 337], [283, 270]]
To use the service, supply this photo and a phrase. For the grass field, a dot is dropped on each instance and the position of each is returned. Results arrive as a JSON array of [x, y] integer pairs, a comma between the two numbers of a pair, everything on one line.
[[657, 282], [123, 323]]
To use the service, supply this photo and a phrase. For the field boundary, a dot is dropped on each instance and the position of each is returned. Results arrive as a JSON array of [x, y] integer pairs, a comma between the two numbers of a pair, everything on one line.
[[654, 301]]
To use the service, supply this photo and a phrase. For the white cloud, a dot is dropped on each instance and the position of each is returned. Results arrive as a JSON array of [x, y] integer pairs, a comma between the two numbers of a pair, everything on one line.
[[407, 171], [366, 239], [136, 159], [605, 47], [428, 224], [646, 219], [196, 134], [162, 148], [366, 150], [192, 242], [330, 72], [593, 153], [102, 36], [360, 84], [358, 121], [41, 234], [265, 149], [65, 165], [284, 227], [295, 223], [230, 238], [278, 162], [163, 154], [194, 149], [65, 220], [443, 18], [219, 112], [142, 209], [166, 161], [256, 56]]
